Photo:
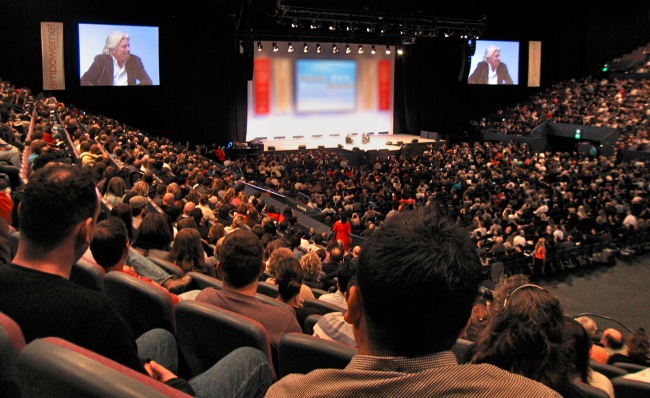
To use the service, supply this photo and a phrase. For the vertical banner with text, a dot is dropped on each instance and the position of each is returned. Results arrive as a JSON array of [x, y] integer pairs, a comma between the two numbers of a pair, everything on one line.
[[262, 86], [385, 75], [52, 49], [534, 63]]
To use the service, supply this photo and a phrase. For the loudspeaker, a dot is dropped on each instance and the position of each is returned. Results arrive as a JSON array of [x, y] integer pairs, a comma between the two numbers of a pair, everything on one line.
[[414, 141], [271, 148], [321, 147], [399, 143], [340, 146], [389, 142], [432, 135], [302, 146]]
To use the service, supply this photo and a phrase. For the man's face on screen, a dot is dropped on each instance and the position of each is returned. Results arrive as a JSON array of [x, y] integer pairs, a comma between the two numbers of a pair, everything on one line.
[[123, 51], [495, 59]]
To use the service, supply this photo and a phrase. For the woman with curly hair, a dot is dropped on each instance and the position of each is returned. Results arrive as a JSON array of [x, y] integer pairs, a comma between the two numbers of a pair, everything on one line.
[[524, 336], [187, 252], [311, 268]]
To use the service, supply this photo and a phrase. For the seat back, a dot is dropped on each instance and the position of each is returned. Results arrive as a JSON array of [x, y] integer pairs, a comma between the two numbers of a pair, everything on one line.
[[625, 388], [318, 292], [143, 305], [322, 307], [267, 289], [53, 367], [629, 367], [608, 370], [300, 353], [88, 274], [168, 266], [207, 333], [271, 301], [590, 391], [12, 342], [463, 349], [201, 281], [310, 322]]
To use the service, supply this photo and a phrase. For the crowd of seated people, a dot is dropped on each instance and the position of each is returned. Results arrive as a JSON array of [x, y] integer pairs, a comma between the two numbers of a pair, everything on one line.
[[508, 196]]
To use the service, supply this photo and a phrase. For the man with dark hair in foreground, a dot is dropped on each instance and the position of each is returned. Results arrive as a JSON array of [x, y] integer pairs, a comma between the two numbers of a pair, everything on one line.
[[58, 216], [418, 277]]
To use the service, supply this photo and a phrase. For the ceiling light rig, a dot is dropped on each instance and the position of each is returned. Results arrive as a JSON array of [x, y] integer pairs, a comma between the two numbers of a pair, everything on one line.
[[364, 26]]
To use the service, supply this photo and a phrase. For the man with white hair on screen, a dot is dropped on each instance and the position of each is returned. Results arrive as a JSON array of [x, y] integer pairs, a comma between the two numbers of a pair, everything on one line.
[[116, 66], [491, 70]]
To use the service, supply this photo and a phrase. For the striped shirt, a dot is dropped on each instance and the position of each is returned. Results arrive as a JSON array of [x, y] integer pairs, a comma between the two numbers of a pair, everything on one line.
[[428, 376]]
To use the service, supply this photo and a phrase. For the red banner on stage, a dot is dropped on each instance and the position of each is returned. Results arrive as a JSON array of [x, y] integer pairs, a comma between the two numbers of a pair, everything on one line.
[[385, 74], [262, 86]]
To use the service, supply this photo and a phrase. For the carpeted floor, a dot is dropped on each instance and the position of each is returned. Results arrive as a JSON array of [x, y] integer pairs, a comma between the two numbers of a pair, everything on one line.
[[621, 292]]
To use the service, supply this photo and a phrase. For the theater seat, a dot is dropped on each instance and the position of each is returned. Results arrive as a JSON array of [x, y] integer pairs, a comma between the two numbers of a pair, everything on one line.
[[201, 281], [323, 307], [267, 289], [12, 342], [463, 349], [88, 274], [624, 388], [143, 305], [300, 353], [53, 367], [590, 391], [207, 333], [608, 370]]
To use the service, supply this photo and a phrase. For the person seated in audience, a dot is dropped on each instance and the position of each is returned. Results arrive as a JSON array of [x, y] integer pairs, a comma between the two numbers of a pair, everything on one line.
[[240, 265], [36, 293], [188, 254], [524, 336], [276, 257], [578, 345], [638, 350], [139, 205], [597, 352], [343, 275], [311, 267], [423, 259], [613, 342], [154, 236], [289, 281]]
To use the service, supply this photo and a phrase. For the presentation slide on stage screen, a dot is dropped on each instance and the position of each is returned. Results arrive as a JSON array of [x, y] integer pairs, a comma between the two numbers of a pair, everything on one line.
[[495, 62], [96, 62], [307, 93], [323, 86]]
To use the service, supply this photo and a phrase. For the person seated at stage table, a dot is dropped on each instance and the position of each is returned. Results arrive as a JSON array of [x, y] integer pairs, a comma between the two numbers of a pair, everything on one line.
[[348, 139]]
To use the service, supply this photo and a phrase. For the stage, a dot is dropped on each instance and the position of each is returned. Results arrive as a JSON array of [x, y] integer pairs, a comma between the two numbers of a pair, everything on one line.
[[377, 142]]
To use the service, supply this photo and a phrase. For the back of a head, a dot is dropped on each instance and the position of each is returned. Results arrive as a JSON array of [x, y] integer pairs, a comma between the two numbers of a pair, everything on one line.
[[187, 250], [526, 337], [345, 272], [153, 233], [638, 345], [109, 242], [56, 200], [578, 344], [418, 277], [240, 257], [288, 278]]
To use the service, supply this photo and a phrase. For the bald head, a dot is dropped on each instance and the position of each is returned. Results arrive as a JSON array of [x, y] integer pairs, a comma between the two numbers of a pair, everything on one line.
[[612, 338]]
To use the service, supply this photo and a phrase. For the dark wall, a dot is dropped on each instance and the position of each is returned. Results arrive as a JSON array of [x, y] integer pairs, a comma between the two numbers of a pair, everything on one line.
[[203, 87]]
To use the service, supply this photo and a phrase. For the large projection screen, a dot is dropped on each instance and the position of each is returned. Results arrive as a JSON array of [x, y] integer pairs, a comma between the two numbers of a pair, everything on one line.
[[309, 93]]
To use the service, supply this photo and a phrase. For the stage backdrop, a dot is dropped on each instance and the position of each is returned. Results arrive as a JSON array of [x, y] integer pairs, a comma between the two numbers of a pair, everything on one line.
[[305, 93]]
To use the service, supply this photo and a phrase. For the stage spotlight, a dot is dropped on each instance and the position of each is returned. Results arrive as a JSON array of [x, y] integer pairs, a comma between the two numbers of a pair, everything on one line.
[[373, 51], [360, 51], [400, 51], [347, 49], [387, 50], [335, 50], [259, 46], [332, 27], [290, 49], [318, 48], [275, 48], [305, 48]]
